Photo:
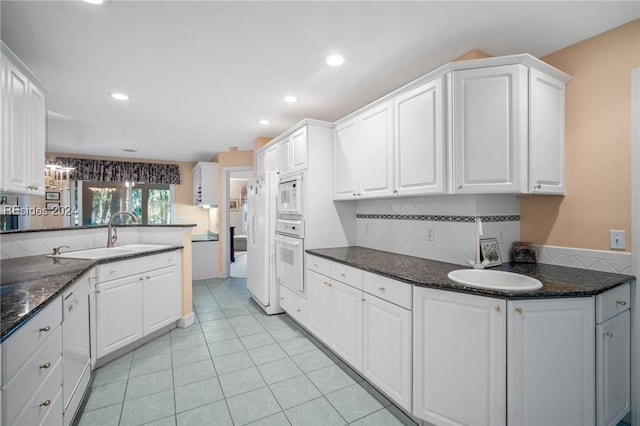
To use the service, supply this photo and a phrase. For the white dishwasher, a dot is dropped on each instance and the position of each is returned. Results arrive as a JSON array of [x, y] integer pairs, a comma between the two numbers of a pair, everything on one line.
[[76, 360]]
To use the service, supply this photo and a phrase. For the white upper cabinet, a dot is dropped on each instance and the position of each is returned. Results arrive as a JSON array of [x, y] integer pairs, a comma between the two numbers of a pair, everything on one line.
[[419, 140], [293, 152], [546, 134], [485, 126], [490, 129], [345, 164], [205, 184], [363, 152], [23, 129]]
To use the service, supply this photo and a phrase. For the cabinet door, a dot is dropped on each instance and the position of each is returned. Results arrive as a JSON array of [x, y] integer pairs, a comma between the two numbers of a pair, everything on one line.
[[346, 323], [613, 370], [160, 298], [546, 134], [260, 158], [284, 154], [551, 369], [15, 130], [345, 164], [298, 142], [119, 313], [459, 357], [375, 151], [318, 302], [419, 140], [36, 141], [490, 129], [387, 349], [273, 160]]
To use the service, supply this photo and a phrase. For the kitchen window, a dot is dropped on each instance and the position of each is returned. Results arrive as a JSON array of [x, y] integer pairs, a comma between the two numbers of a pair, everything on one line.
[[97, 201]]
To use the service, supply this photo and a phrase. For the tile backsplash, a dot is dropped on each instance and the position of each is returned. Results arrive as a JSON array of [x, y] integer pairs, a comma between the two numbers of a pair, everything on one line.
[[400, 225]]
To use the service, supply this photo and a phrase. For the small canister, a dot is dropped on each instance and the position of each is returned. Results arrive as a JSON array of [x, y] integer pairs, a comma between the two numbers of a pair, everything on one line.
[[524, 252]]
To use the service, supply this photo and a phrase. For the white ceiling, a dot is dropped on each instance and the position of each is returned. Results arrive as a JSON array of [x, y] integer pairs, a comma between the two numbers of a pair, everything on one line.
[[201, 74]]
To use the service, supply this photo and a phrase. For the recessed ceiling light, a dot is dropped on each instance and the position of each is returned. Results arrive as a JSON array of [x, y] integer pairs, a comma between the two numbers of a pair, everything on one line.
[[120, 96], [96, 2], [290, 99], [335, 60], [264, 122]]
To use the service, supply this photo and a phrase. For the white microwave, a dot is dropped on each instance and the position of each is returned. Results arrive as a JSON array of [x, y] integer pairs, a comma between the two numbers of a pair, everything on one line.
[[290, 196]]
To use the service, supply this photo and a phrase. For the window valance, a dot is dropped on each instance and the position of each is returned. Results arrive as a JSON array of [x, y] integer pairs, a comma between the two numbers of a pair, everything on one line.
[[120, 171]]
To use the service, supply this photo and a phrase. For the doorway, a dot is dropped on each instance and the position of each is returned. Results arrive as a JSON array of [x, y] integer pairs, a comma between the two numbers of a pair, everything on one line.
[[236, 209]]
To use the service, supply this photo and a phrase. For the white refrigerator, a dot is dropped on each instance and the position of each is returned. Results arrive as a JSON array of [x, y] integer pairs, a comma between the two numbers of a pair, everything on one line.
[[261, 216]]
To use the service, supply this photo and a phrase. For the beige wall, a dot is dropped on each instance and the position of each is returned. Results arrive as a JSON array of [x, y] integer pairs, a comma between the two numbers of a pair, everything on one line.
[[183, 193], [598, 169], [227, 159]]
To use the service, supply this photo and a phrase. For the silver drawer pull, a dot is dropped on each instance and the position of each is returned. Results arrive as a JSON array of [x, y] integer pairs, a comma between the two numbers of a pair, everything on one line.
[[518, 311], [621, 302], [113, 271], [170, 260], [46, 365], [45, 329], [609, 334], [298, 310], [497, 308], [342, 274], [46, 403], [381, 288]]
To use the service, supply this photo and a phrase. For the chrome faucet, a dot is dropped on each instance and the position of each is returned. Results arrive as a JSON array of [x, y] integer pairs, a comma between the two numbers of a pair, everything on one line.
[[477, 264], [56, 250], [112, 233]]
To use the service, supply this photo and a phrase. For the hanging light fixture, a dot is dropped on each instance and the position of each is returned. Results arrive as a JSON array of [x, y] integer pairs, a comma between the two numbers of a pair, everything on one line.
[[57, 177]]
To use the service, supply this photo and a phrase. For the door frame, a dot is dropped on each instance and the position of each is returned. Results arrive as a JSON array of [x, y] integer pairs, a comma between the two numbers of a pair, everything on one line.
[[635, 243], [223, 231]]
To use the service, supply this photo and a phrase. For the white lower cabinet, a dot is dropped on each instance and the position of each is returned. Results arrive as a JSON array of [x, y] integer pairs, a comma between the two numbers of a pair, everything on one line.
[[138, 304], [346, 323], [613, 355], [459, 357], [477, 358], [371, 332], [387, 349], [551, 362], [160, 292], [119, 314]]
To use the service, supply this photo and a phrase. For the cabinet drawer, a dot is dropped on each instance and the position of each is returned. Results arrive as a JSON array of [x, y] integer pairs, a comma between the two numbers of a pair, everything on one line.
[[125, 268], [20, 346], [294, 305], [36, 370], [613, 302], [45, 408], [318, 264], [347, 274], [390, 290]]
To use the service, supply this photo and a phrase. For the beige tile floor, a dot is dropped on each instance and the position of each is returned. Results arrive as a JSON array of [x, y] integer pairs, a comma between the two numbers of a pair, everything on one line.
[[234, 366]]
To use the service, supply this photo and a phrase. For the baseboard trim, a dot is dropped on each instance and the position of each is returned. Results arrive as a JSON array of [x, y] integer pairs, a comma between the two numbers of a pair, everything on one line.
[[186, 320]]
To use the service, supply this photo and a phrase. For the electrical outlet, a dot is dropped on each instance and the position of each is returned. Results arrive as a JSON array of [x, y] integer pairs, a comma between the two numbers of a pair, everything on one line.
[[617, 240], [367, 227], [182, 219], [431, 232]]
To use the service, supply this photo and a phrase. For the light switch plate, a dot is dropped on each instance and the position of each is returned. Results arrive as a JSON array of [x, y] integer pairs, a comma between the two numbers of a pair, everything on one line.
[[617, 240]]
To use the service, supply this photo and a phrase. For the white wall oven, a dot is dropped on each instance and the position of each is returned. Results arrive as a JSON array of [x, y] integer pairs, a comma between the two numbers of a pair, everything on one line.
[[290, 196], [289, 243]]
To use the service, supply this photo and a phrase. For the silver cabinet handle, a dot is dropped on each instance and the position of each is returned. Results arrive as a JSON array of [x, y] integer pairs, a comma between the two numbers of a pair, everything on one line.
[[46, 403], [45, 329], [497, 308], [621, 302], [46, 365], [381, 288], [609, 334], [518, 311], [537, 186]]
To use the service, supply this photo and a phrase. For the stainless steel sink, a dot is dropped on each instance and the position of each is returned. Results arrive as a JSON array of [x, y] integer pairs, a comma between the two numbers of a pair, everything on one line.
[[104, 252], [494, 280]]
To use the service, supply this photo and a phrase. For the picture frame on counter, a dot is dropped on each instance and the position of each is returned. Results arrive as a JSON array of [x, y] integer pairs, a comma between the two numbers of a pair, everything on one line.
[[489, 250], [54, 196], [52, 206]]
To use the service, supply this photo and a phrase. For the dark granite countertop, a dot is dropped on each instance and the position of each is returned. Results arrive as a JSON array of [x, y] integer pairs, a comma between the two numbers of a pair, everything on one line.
[[557, 281], [28, 284], [72, 228]]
